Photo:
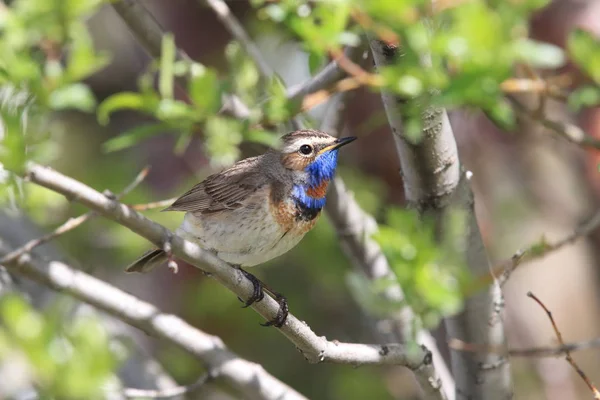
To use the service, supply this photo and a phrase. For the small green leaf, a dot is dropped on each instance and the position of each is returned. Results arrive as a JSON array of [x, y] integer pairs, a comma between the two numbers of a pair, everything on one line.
[[121, 101], [205, 89], [169, 109], [584, 48], [540, 55], [76, 96], [315, 61], [167, 59], [133, 136], [586, 96]]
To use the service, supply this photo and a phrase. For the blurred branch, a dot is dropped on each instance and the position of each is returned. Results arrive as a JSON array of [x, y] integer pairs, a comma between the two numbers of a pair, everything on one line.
[[546, 351], [567, 353], [167, 393], [434, 184], [354, 228], [502, 270], [570, 132], [70, 224], [237, 30], [138, 369], [314, 348], [250, 378], [154, 204]]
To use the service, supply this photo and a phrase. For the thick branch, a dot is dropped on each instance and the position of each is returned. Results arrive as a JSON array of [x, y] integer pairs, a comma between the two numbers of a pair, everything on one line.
[[434, 184], [315, 349], [355, 228]]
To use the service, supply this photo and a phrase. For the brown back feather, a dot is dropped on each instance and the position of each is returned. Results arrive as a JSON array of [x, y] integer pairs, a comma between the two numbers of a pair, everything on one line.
[[225, 190]]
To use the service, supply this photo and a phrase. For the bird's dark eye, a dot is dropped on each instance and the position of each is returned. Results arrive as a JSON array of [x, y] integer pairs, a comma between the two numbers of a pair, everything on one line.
[[306, 149]]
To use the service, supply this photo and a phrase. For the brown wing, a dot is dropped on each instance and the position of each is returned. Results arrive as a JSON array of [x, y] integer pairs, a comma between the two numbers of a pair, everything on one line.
[[223, 191]]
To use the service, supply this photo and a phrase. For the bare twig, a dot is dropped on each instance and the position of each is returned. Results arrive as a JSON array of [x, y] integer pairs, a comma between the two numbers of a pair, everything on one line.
[[70, 224], [153, 205], [314, 348], [545, 351], [502, 270], [167, 393], [570, 132], [238, 32], [567, 352]]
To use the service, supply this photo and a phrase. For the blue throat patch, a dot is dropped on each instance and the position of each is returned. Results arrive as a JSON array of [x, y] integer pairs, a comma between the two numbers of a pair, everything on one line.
[[322, 169]]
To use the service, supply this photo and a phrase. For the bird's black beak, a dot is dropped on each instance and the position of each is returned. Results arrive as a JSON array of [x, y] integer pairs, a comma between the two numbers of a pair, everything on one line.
[[337, 144], [343, 141]]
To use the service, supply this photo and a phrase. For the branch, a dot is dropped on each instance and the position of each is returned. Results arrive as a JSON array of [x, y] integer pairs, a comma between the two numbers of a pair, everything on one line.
[[167, 393], [570, 132], [567, 353], [139, 369], [71, 223], [434, 184], [546, 351], [250, 378], [314, 348], [237, 30], [502, 270]]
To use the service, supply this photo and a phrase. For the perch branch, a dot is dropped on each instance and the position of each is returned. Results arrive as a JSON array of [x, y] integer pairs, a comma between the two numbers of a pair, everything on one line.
[[314, 348]]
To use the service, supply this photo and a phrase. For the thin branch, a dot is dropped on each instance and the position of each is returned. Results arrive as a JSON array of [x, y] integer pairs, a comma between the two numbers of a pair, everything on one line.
[[314, 348], [567, 353], [241, 374], [503, 269], [237, 30], [544, 351], [167, 393], [153, 205], [570, 132], [70, 224]]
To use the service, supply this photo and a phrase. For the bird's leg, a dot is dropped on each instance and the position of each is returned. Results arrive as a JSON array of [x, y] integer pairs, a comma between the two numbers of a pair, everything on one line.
[[258, 294]]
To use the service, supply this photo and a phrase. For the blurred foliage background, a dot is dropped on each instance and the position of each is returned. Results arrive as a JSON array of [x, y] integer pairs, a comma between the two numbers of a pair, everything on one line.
[[79, 93]]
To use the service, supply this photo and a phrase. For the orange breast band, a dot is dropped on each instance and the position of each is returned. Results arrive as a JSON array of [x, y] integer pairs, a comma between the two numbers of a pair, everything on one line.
[[318, 192]]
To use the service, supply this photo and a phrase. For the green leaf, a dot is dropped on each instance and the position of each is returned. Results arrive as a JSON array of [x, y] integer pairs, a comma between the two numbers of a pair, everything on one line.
[[133, 136], [169, 109], [315, 61], [167, 59], [205, 89], [124, 101], [540, 55], [263, 137], [584, 48], [76, 96], [586, 96]]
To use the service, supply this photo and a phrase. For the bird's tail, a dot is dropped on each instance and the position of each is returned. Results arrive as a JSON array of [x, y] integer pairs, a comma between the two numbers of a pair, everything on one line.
[[148, 261]]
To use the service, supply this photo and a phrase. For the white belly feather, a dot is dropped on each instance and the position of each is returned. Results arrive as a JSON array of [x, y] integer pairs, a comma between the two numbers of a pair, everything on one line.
[[244, 236]]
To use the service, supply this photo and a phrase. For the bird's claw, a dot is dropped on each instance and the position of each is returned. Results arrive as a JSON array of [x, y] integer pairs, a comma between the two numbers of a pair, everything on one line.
[[282, 313], [257, 293]]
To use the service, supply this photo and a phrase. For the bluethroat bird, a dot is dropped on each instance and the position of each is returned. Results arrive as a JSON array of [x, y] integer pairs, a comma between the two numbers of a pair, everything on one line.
[[259, 208]]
